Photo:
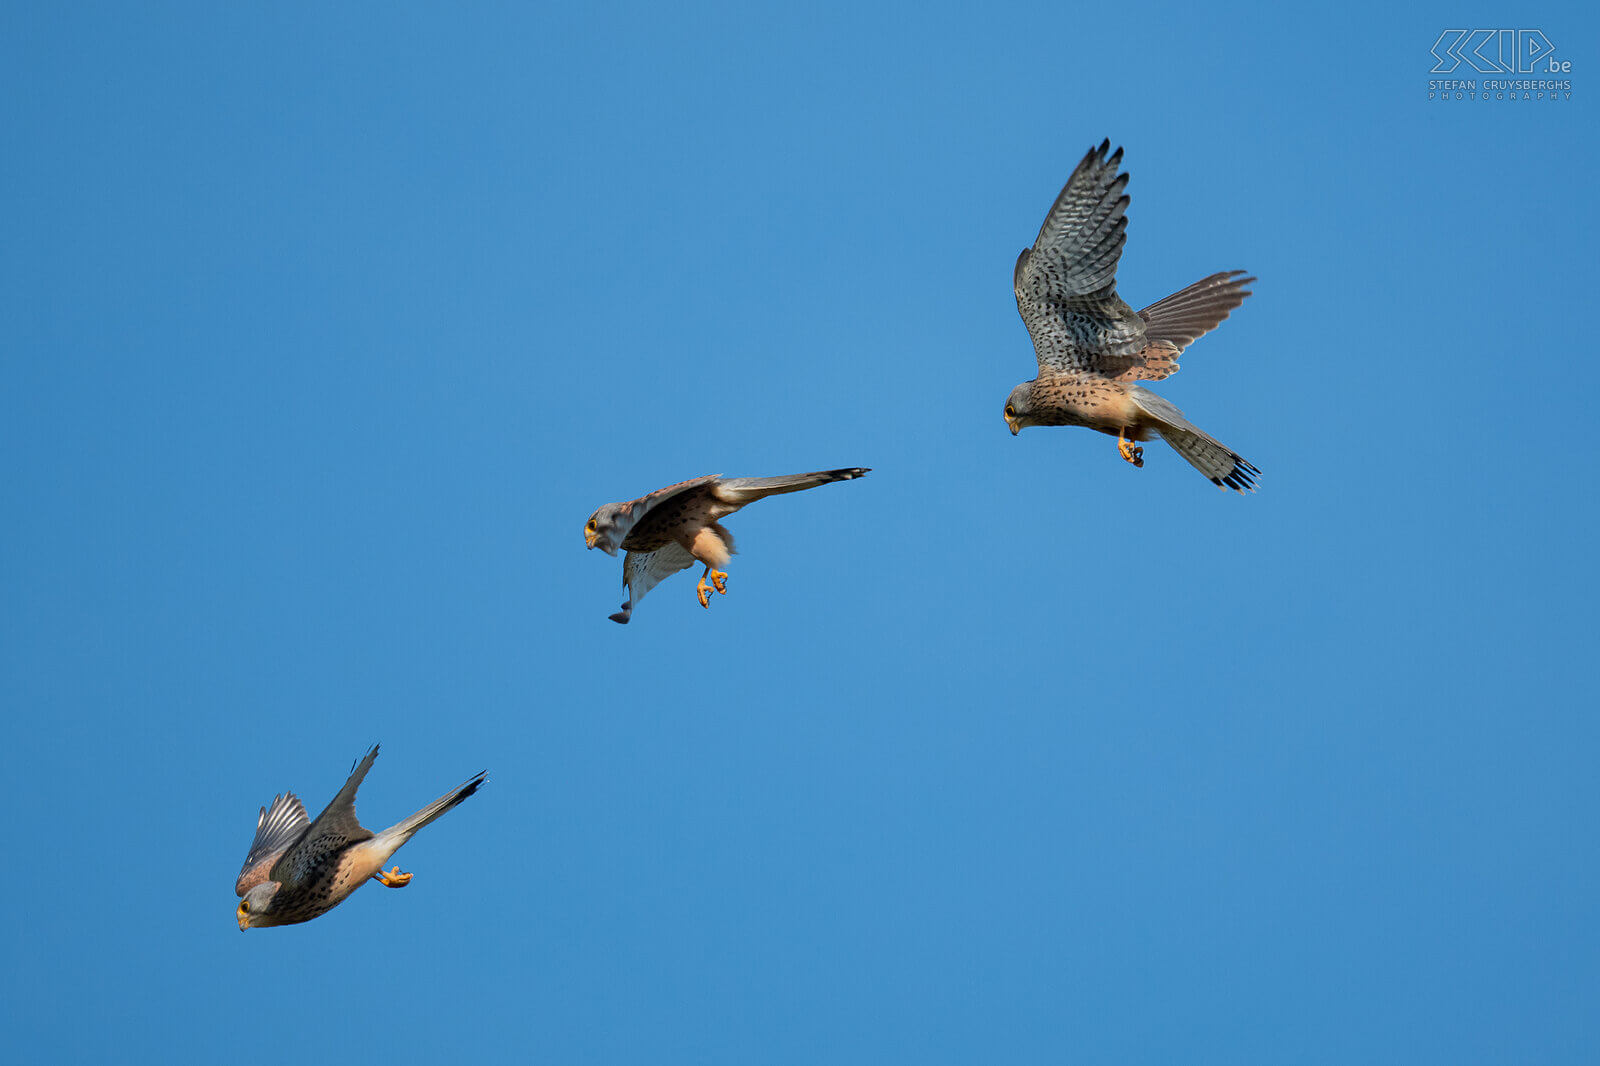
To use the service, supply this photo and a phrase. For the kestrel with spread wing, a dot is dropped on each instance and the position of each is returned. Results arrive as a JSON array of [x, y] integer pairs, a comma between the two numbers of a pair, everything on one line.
[[299, 869], [1092, 346], [672, 528]]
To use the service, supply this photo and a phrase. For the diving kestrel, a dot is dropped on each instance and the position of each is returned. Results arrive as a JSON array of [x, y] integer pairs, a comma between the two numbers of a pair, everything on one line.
[[1091, 345], [299, 869], [671, 528]]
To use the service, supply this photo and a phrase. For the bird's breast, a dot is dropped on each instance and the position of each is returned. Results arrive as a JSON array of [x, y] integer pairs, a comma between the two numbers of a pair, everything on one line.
[[1081, 402]]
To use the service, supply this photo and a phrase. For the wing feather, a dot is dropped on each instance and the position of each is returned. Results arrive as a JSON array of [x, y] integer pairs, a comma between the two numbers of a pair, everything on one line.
[[1066, 283], [329, 833], [1081, 238], [1191, 313], [277, 828], [643, 571], [634, 511]]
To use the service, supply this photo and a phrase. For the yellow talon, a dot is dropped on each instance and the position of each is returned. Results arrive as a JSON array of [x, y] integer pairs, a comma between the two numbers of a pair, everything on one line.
[[393, 878], [719, 581], [1130, 451]]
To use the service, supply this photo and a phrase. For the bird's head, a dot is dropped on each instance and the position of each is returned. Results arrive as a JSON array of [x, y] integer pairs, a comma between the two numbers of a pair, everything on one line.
[[1019, 408], [256, 907], [603, 530]]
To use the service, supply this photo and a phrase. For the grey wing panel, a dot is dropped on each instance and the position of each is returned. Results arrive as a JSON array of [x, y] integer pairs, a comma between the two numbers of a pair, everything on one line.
[[1065, 284], [1081, 240], [1098, 337], [1191, 313], [277, 827]]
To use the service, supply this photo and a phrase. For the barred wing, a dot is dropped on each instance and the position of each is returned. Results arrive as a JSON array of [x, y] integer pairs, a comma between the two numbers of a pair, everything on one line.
[[1066, 284], [1191, 313], [277, 828]]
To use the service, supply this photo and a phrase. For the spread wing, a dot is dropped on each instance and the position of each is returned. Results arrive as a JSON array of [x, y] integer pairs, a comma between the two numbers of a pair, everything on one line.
[[1066, 284], [333, 830], [277, 827], [634, 511], [1191, 313], [643, 571]]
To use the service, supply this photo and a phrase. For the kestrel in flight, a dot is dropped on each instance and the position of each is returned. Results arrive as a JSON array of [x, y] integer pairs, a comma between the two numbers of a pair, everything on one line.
[[299, 869], [1091, 345], [672, 528]]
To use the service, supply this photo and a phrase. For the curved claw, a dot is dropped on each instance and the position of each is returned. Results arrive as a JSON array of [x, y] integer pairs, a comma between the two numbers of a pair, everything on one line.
[[719, 578], [1130, 451]]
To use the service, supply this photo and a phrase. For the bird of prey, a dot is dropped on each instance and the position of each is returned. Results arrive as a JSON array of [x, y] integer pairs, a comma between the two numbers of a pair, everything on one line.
[[1092, 346], [671, 528], [299, 869]]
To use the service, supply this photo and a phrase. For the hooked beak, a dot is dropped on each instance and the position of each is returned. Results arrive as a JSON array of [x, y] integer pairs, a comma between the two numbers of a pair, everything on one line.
[[1016, 427], [244, 919]]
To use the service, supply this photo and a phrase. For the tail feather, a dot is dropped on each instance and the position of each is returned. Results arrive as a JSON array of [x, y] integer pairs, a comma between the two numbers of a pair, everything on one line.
[[407, 828], [1223, 466], [743, 490], [1215, 460]]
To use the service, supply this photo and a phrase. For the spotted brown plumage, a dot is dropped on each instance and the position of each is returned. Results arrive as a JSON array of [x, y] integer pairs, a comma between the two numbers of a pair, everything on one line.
[[670, 529], [298, 869], [1091, 345]]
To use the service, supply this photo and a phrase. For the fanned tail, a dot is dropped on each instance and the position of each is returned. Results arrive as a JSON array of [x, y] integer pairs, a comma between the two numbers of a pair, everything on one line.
[[1212, 458]]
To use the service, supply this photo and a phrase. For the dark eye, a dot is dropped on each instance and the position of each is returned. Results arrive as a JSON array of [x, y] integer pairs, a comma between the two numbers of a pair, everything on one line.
[[1011, 412], [245, 906]]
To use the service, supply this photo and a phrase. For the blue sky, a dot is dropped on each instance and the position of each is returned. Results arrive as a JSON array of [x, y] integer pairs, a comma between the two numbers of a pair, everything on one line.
[[324, 332]]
